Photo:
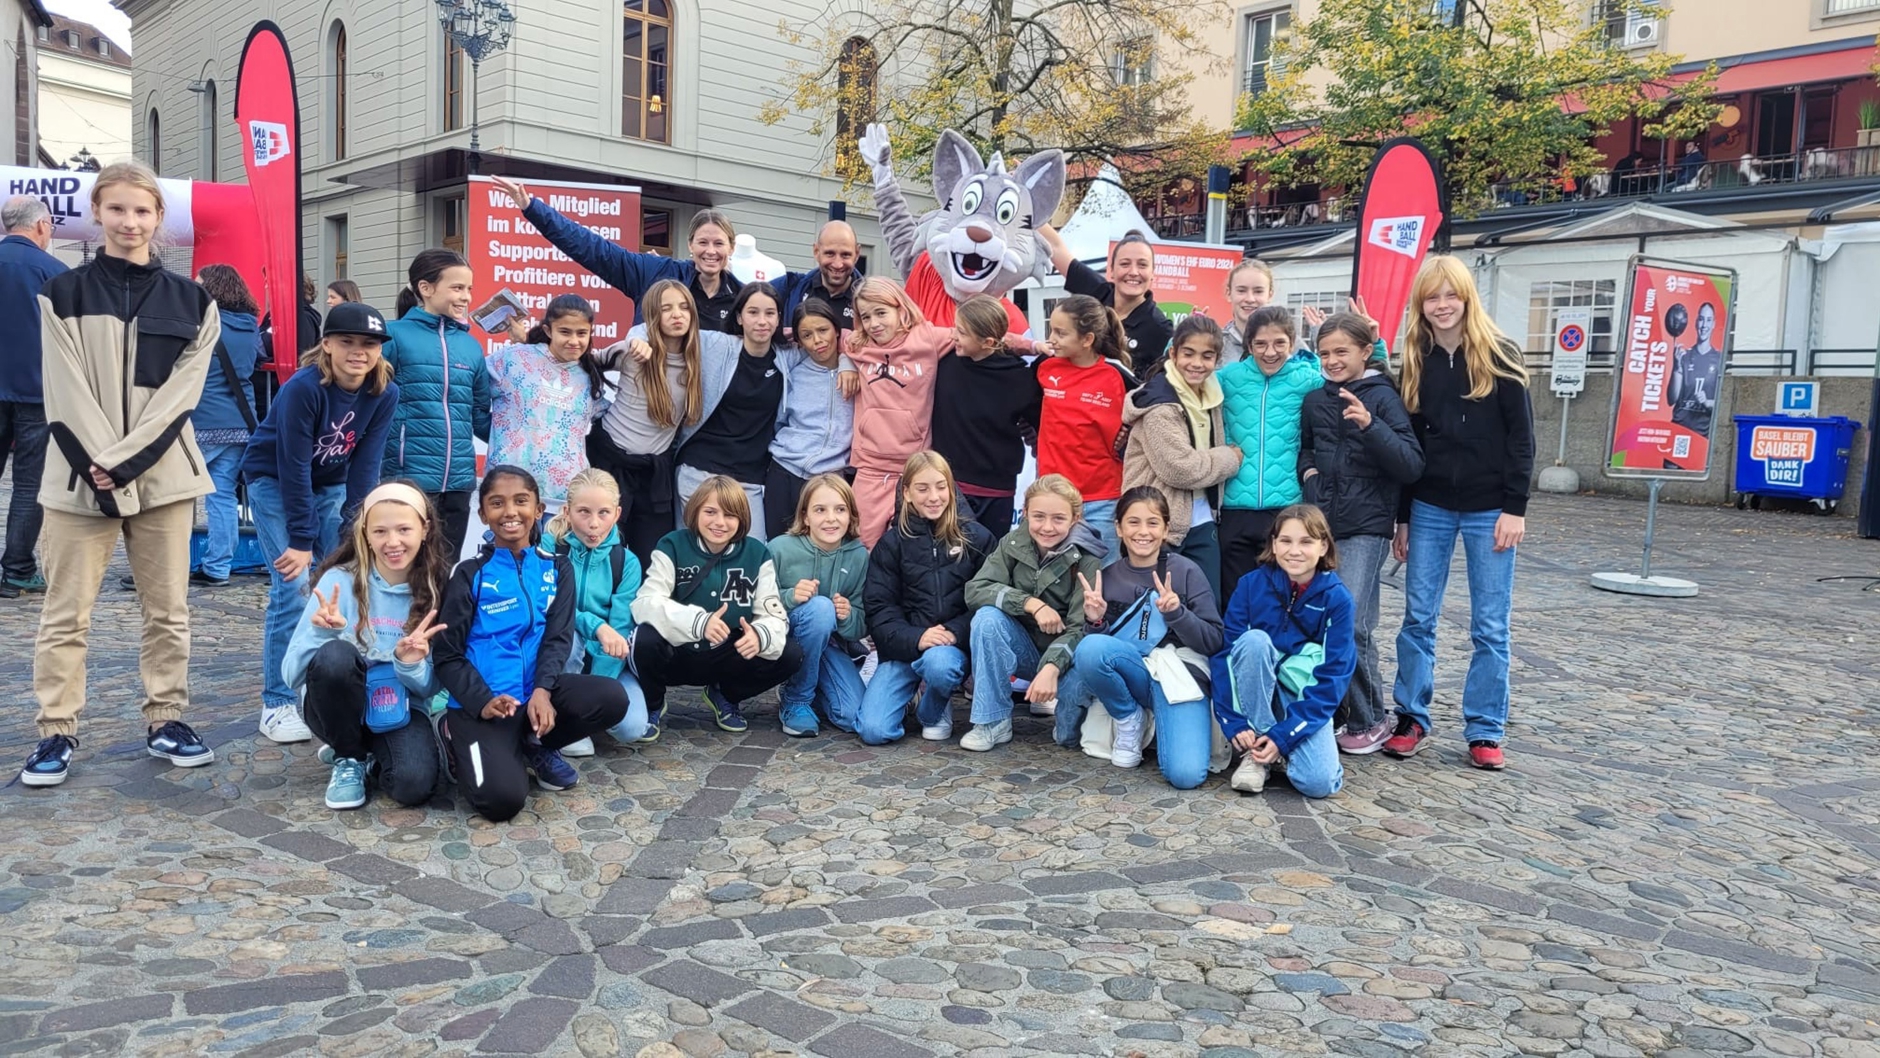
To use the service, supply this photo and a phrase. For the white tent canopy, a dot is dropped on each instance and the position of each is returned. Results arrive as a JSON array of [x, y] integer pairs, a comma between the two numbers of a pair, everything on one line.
[[1106, 214]]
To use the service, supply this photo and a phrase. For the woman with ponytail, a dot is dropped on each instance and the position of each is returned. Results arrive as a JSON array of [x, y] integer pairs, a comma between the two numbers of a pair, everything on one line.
[[1127, 288]]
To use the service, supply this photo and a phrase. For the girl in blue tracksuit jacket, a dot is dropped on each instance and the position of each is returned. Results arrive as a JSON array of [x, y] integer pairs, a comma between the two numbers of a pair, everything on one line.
[[443, 389], [1290, 651], [508, 619]]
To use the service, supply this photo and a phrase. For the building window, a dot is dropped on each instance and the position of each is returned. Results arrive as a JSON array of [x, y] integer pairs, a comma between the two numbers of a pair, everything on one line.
[[338, 238], [104, 47], [1847, 7], [450, 222], [1264, 32], [453, 85], [1546, 299], [339, 92], [1630, 25], [22, 106], [646, 72], [656, 231], [1134, 62], [211, 124], [154, 127]]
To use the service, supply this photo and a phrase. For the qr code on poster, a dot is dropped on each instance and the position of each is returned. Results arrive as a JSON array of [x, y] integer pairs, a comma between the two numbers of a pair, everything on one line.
[[1681, 447]]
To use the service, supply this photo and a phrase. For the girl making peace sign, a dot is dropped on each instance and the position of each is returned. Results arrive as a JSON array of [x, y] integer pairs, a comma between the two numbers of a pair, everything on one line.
[[1149, 598], [362, 650]]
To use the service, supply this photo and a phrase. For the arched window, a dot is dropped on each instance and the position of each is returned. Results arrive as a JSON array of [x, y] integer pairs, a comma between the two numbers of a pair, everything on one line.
[[855, 97], [154, 127], [646, 70], [211, 124], [338, 72]]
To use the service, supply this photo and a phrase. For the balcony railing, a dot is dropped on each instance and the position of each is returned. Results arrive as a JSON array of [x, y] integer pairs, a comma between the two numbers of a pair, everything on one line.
[[1251, 218], [1824, 163], [1858, 363]]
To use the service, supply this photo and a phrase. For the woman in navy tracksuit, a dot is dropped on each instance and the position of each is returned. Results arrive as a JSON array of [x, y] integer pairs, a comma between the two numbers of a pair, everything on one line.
[[509, 629]]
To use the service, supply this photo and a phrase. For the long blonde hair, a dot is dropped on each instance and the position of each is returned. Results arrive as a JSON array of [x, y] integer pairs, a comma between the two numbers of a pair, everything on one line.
[[1486, 351], [884, 291], [430, 565], [946, 528], [650, 376], [592, 478]]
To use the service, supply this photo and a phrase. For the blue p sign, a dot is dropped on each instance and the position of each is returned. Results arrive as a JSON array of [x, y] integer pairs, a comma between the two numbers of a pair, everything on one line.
[[1797, 398]]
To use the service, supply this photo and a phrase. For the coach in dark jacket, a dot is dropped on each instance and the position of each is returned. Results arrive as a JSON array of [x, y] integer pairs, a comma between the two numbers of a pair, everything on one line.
[[24, 268]]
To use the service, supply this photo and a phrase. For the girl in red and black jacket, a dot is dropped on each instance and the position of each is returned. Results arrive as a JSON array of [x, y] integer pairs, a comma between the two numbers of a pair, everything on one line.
[[1085, 380]]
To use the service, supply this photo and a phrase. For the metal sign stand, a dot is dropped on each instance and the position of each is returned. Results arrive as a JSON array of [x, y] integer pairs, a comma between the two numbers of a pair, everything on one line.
[[1643, 583], [1560, 477]]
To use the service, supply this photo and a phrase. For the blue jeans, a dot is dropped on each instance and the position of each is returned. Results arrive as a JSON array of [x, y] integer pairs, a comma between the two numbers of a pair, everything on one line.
[[828, 677], [218, 544], [1361, 567], [884, 702], [1002, 649], [1253, 664], [287, 599], [632, 726], [1101, 516], [1433, 533], [1115, 674]]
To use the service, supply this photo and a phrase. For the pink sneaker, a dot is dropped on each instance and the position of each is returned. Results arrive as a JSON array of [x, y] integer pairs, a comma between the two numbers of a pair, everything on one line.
[[1366, 740]]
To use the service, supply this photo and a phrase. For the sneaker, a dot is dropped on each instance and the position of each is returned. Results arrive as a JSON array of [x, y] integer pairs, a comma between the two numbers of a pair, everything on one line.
[[1407, 740], [985, 736], [326, 756], [799, 721], [127, 582], [179, 745], [203, 580], [282, 723], [729, 716], [1250, 777], [550, 771], [1486, 755], [50, 762], [1044, 708], [583, 748], [653, 720], [12, 588], [347, 788], [939, 732], [1126, 749], [1365, 740]]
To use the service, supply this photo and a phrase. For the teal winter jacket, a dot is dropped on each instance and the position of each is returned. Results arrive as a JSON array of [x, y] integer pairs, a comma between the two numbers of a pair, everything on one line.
[[443, 402], [599, 598], [1262, 418]]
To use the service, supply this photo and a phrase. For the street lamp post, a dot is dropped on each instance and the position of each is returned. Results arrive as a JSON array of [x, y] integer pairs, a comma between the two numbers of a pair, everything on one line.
[[481, 28]]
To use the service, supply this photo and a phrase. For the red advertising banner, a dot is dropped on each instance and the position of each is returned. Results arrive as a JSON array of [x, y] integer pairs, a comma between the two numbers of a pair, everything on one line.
[[267, 111], [1404, 207], [1191, 277], [507, 253], [1672, 353]]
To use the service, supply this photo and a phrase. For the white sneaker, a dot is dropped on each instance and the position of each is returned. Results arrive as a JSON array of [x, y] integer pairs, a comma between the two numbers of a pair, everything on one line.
[[282, 723], [939, 732], [1126, 749], [583, 748], [1045, 708], [1250, 777], [985, 736]]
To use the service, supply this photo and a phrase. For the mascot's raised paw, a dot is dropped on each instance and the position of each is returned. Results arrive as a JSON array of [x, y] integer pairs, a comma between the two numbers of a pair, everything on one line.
[[875, 149]]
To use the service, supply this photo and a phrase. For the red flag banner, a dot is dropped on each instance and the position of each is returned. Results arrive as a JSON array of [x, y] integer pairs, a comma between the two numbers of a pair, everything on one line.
[[267, 111], [1404, 207], [1672, 353]]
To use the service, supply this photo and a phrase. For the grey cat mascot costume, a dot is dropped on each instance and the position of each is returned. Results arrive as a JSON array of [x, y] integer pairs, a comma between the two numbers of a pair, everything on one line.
[[982, 239]]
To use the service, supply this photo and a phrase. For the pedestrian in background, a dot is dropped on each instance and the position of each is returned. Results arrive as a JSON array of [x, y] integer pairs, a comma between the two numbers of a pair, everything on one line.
[[225, 417], [25, 266]]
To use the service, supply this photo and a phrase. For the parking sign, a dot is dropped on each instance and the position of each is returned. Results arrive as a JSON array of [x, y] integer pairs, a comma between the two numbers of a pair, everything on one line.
[[1798, 398]]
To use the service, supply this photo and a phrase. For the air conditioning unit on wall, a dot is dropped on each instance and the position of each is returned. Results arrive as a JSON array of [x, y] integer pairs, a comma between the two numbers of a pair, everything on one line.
[[1642, 31]]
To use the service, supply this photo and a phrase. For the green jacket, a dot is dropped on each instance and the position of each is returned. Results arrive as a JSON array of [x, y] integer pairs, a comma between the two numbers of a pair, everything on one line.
[[1013, 576], [840, 572]]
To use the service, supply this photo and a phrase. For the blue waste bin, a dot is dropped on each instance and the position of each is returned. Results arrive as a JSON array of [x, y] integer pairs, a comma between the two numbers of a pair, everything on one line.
[[1793, 458]]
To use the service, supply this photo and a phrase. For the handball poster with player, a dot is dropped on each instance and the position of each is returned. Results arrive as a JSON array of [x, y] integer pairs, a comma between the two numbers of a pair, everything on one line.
[[1674, 341]]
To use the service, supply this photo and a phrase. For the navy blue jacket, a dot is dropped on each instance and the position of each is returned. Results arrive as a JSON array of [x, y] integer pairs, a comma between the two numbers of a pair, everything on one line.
[[443, 401], [317, 436], [796, 286], [508, 626], [915, 583], [626, 271], [1324, 613], [218, 410], [24, 269]]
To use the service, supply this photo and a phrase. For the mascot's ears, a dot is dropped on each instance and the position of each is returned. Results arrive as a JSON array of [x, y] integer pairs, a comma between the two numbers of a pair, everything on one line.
[[1042, 174], [955, 161]]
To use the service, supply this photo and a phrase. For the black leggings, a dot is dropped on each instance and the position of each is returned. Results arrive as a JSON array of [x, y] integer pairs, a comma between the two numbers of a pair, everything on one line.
[[1243, 538], [646, 492], [487, 755], [781, 491], [453, 513], [336, 714], [659, 665]]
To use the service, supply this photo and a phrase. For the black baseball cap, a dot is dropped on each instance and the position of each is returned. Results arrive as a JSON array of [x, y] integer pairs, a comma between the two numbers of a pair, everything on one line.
[[354, 317]]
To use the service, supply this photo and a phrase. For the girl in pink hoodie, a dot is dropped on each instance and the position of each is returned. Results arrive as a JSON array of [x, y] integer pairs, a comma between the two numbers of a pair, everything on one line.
[[897, 351]]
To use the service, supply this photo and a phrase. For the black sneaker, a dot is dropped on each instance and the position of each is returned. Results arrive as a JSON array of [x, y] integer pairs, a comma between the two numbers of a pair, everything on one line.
[[729, 716], [50, 763], [178, 744], [653, 720], [203, 580], [127, 582]]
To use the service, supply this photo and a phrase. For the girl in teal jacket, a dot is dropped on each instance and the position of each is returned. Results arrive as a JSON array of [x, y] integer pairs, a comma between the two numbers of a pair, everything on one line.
[[1262, 400], [606, 577], [443, 389], [822, 568]]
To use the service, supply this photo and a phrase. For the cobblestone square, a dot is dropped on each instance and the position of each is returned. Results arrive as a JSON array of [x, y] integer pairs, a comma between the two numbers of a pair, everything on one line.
[[1682, 859]]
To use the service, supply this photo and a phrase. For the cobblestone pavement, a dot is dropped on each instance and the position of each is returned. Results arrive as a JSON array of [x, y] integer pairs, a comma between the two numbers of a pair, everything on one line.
[[1683, 859]]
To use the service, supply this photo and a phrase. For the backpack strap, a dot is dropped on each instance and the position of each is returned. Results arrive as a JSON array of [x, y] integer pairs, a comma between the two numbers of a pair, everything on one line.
[[618, 559], [227, 361]]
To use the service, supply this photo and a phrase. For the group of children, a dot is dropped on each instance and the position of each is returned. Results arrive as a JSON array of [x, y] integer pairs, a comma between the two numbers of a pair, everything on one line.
[[789, 504]]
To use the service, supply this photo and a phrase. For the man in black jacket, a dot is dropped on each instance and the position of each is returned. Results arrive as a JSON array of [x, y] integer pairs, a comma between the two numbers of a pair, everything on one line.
[[24, 268]]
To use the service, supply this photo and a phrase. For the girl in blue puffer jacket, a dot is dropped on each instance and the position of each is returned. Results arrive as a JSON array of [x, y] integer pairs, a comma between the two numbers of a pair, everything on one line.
[[1261, 400], [443, 389]]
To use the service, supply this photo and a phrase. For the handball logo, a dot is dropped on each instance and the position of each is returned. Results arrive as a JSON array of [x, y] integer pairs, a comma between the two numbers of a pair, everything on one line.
[[1402, 235], [268, 141]]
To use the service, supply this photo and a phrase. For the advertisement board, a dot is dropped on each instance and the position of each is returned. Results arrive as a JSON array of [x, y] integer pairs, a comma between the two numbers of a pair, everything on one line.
[[1674, 342], [1191, 277], [1402, 212], [507, 253]]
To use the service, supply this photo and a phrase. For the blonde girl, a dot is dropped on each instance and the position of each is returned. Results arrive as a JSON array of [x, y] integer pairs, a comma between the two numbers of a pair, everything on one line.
[[822, 568], [606, 578], [897, 352], [1466, 391], [1250, 287]]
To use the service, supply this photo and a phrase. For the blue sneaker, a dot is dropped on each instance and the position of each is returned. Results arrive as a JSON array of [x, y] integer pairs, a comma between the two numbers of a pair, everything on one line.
[[347, 787], [653, 720], [13, 587], [725, 711], [550, 770], [179, 745], [50, 762], [799, 721]]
